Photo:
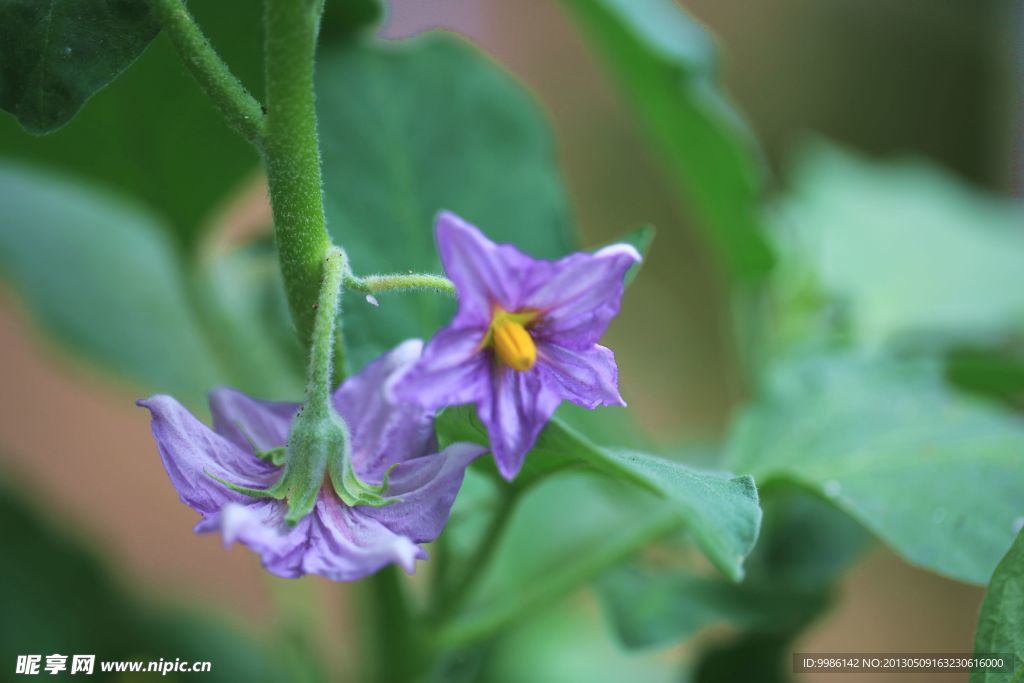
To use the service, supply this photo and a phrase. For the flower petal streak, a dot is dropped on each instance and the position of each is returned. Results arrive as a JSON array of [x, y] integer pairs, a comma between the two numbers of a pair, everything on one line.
[[579, 294], [515, 412], [192, 452], [588, 378]]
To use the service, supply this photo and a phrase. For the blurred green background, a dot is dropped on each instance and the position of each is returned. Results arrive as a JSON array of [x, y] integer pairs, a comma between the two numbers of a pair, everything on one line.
[[99, 550]]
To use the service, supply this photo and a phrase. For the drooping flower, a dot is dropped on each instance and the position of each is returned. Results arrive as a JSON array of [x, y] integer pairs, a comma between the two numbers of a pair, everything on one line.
[[524, 337], [336, 540]]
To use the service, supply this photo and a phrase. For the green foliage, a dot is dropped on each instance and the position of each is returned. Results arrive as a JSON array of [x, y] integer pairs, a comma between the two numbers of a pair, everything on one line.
[[934, 475], [408, 131], [804, 546], [240, 296], [720, 511], [102, 277], [596, 508], [903, 247], [344, 18], [57, 53], [667, 65], [1001, 624], [152, 134], [58, 598]]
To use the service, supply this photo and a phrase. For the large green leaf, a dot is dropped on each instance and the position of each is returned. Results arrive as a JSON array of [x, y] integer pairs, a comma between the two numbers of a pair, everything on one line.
[[152, 133], [904, 247], [804, 545], [935, 475], [56, 53], [720, 511], [667, 66], [408, 130], [603, 506], [102, 277], [1001, 623]]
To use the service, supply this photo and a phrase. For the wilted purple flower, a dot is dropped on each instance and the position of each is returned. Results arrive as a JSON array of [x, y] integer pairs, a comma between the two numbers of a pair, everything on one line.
[[524, 337], [340, 542]]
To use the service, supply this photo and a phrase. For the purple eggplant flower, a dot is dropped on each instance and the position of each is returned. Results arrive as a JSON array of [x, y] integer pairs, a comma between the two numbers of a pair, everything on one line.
[[340, 542], [524, 337]]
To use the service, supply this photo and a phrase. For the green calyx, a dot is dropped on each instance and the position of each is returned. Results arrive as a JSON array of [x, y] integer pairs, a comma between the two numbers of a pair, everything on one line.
[[318, 442]]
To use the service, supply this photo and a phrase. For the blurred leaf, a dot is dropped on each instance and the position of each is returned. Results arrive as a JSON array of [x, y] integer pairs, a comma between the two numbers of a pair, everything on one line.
[[754, 656], [995, 371], [935, 475], [242, 298], [412, 129], [1001, 623], [803, 547], [563, 533], [904, 247], [103, 279], [58, 598], [152, 133], [567, 643], [666, 64], [721, 512], [658, 608], [342, 19], [56, 53]]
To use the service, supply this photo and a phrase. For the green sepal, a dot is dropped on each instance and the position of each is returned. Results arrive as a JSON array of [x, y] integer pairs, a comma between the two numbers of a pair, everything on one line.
[[247, 490], [353, 490], [275, 456]]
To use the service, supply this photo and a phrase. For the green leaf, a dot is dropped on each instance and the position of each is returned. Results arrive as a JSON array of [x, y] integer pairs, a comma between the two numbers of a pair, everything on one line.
[[720, 511], [59, 598], [657, 608], [667, 66], [754, 656], [343, 19], [934, 475], [408, 130], [101, 277], [804, 546], [57, 53], [152, 134], [563, 533], [241, 297], [1001, 623], [904, 247]]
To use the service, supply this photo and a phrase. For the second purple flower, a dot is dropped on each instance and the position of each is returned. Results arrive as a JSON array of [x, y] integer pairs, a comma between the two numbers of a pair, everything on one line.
[[524, 338]]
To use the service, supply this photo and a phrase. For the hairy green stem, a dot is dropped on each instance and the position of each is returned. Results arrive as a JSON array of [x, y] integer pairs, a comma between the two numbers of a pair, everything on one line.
[[240, 109], [322, 346], [291, 153], [377, 284]]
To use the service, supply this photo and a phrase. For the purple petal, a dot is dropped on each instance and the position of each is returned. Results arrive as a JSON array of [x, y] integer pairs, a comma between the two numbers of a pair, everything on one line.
[[191, 452], [427, 488], [249, 422], [579, 294], [259, 525], [485, 274], [453, 370], [383, 431], [345, 544], [588, 378], [517, 409]]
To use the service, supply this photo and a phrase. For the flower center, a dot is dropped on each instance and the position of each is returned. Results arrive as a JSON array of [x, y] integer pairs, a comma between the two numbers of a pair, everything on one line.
[[512, 341]]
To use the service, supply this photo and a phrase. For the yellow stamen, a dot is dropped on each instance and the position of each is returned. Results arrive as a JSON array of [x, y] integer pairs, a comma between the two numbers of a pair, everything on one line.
[[513, 344]]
